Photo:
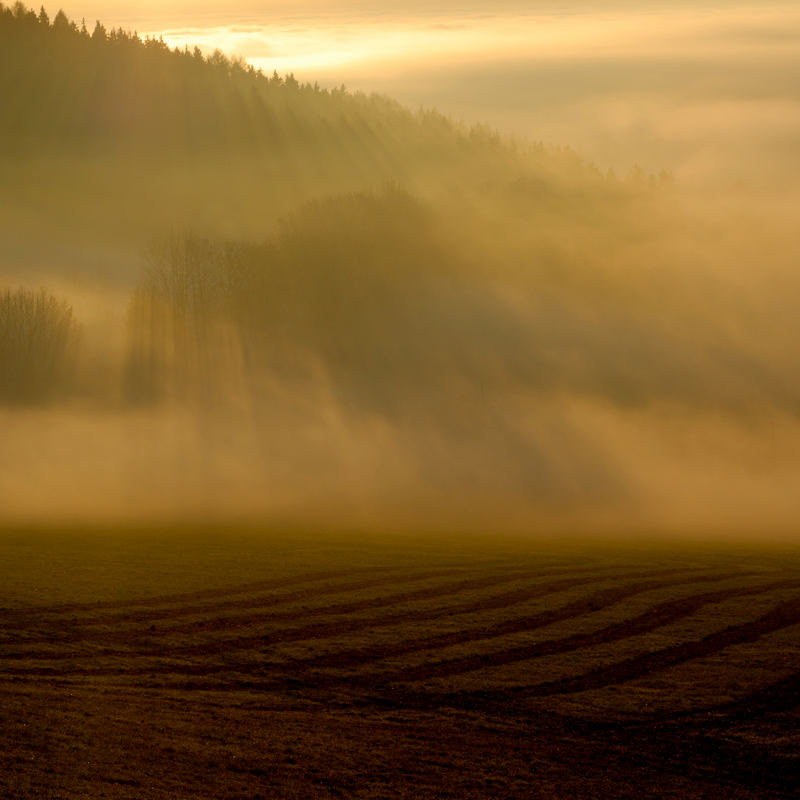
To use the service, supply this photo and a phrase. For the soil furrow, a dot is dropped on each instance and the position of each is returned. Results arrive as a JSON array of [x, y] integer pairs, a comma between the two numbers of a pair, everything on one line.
[[597, 678], [78, 631], [776, 698], [183, 597], [784, 615], [325, 630], [347, 607], [656, 617], [595, 602]]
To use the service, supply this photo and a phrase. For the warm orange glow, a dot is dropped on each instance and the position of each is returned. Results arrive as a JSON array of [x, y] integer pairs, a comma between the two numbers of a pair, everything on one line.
[[323, 305]]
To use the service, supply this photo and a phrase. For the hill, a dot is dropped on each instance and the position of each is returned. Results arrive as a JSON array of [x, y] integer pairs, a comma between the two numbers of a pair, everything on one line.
[[178, 138]]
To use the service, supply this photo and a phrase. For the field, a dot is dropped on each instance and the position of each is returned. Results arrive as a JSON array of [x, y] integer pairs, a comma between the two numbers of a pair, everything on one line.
[[214, 664]]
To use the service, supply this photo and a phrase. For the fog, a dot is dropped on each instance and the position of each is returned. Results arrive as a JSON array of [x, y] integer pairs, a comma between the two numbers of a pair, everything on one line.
[[263, 300]]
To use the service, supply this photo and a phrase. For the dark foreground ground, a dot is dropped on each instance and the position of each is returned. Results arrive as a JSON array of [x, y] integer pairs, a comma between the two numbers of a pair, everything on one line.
[[245, 665]]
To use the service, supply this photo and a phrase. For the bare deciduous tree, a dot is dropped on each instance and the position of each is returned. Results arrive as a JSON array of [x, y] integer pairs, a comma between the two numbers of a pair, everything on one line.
[[38, 340]]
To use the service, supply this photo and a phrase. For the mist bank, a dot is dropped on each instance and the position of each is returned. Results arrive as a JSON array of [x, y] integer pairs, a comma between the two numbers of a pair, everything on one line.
[[589, 470], [317, 308], [382, 362]]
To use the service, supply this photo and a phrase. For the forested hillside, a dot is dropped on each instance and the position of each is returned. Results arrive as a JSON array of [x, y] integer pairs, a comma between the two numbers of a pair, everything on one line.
[[181, 139], [69, 91]]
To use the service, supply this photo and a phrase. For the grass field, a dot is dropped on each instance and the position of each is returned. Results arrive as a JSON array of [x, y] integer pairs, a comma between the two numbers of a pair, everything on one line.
[[214, 664]]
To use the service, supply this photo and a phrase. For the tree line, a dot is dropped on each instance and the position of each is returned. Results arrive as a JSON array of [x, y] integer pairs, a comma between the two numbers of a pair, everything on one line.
[[65, 87]]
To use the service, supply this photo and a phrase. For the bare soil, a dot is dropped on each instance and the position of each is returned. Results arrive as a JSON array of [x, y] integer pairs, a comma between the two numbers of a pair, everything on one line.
[[247, 664]]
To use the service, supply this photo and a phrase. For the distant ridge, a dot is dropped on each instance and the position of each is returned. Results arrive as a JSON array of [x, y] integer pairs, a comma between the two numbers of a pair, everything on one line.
[[67, 89], [108, 137]]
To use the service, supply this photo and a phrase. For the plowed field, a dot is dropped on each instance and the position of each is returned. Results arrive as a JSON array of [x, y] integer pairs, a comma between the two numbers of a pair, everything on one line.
[[219, 665]]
